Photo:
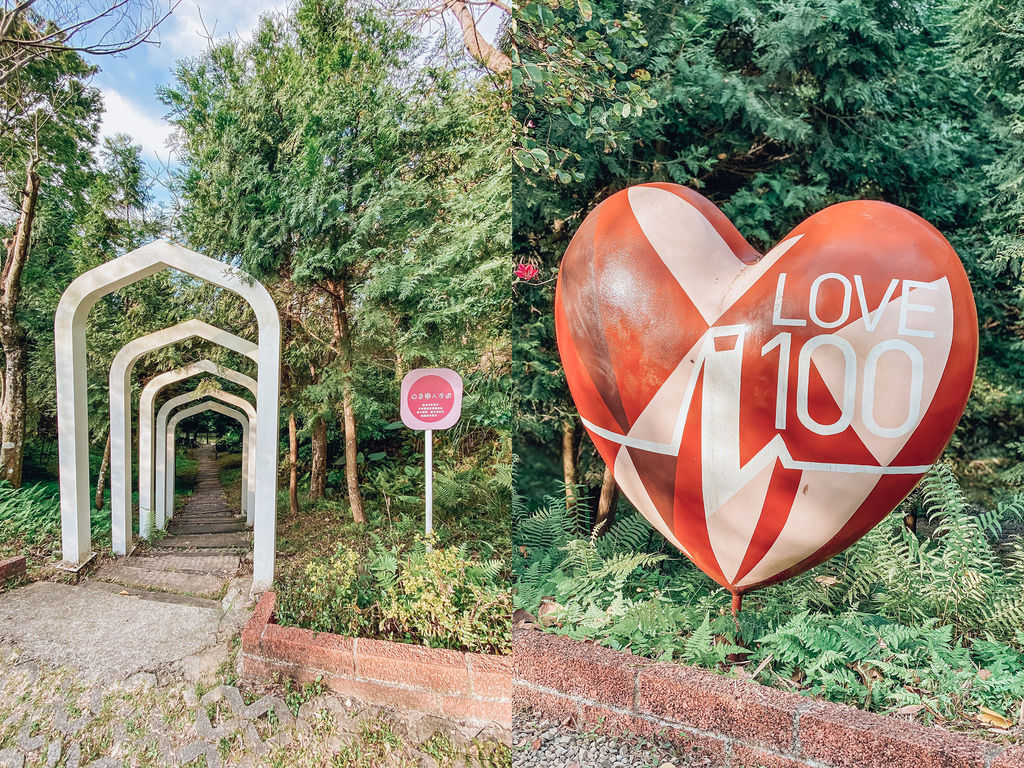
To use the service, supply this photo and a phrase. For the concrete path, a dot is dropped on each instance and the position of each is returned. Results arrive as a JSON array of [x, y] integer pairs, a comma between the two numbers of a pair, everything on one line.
[[108, 637], [165, 612]]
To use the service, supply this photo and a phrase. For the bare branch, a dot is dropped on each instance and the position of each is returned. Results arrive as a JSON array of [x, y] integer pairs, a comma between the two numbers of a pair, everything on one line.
[[26, 36]]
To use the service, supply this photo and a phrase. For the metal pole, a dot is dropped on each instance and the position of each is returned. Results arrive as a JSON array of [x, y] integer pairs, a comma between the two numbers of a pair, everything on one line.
[[430, 480]]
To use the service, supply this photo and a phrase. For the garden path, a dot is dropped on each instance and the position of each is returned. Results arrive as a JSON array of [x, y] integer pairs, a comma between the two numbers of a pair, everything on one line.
[[196, 561], [165, 613]]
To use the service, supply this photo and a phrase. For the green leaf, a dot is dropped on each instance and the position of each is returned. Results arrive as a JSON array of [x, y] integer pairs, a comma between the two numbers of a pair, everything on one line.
[[526, 159], [541, 156]]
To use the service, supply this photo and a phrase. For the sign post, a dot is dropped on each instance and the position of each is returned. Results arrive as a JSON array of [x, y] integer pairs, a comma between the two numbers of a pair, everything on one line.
[[428, 460], [431, 399]]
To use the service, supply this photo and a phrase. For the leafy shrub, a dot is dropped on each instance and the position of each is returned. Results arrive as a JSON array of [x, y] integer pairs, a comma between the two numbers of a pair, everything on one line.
[[186, 471], [434, 596], [31, 513], [30, 519], [880, 664], [898, 619]]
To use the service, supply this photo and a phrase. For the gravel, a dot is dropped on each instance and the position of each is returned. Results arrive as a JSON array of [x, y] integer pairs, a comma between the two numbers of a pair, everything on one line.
[[546, 743]]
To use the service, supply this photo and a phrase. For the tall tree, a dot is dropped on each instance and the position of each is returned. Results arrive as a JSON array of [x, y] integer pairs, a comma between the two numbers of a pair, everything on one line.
[[113, 222], [49, 121], [369, 187], [93, 27]]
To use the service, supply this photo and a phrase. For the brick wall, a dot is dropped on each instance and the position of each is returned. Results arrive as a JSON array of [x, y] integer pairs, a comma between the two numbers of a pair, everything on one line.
[[12, 568], [467, 687], [732, 723]]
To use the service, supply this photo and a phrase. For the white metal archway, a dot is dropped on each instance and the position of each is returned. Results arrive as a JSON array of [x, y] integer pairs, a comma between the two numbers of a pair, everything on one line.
[[184, 413], [120, 378], [165, 457], [72, 404], [146, 410]]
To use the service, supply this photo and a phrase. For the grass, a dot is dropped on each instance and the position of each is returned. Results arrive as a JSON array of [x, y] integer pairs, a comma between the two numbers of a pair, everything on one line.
[[229, 470], [30, 516], [324, 526]]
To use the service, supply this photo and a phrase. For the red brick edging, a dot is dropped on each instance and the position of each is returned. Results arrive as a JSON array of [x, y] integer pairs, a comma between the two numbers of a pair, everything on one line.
[[467, 687], [12, 568], [735, 723]]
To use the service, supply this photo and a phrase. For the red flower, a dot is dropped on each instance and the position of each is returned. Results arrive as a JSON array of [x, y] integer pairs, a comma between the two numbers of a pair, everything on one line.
[[526, 271]]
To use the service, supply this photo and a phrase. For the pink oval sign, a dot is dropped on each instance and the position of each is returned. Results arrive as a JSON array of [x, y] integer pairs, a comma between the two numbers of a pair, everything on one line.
[[431, 398]]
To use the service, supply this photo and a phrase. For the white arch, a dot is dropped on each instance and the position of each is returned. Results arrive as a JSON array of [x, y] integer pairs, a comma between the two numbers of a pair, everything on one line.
[[146, 407], [184, 413], [72, 409], [120, 380], [165, 443]]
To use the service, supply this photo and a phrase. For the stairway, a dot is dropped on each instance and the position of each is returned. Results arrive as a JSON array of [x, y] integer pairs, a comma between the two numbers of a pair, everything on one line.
[[197, 558]]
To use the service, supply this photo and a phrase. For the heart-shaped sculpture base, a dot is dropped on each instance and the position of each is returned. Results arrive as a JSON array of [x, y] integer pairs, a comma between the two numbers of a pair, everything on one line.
[[763, 413]]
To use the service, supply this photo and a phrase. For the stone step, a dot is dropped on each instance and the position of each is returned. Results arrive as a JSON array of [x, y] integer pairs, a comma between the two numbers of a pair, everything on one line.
[[187, 529], [160, 597], [205, 540], [200, 585], [238, 552], [224, 566], [213, 517], [205, 520]]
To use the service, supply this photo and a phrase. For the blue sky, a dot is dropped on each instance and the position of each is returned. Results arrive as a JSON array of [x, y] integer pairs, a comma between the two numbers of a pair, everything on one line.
[[129, 81]]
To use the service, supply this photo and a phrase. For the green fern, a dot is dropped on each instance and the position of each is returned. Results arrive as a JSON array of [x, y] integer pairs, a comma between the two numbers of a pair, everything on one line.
[[899, 618]]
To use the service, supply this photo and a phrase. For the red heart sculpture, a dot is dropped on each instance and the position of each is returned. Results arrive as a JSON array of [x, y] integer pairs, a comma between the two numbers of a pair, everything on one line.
[[763, 413]]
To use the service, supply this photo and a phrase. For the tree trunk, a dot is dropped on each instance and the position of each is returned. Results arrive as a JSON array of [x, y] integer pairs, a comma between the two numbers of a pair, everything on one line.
[[341, 330], [355, 498], [476, 45], [101, 479], [607, 503], [569, 461], [318, 471], [293, 466], [12, 336], [910, 521]]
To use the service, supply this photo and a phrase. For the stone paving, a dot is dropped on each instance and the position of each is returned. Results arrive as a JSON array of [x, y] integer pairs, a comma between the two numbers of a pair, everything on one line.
[[547, 744], [47, 718]]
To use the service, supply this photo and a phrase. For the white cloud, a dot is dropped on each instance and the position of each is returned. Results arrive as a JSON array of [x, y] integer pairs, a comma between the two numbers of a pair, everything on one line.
[[185, 33], [122, 115]]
